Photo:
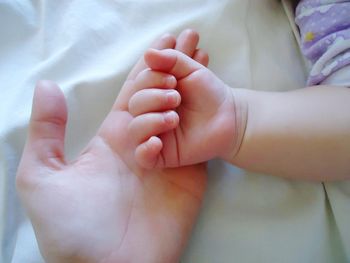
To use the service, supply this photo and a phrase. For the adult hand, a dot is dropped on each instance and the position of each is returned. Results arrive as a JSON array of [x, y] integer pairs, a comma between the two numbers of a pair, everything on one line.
[[103, 207]]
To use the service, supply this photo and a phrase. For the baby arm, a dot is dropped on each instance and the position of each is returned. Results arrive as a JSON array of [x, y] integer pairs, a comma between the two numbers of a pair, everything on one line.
[[303, 134]]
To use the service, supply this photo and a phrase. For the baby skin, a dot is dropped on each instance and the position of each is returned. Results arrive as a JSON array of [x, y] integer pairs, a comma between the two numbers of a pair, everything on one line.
[[134, 193], [103, 207], [289, 134], [189, 119]]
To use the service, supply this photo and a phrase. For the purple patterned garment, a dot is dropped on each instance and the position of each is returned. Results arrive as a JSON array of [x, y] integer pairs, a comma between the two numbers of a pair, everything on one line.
[[325, 36]]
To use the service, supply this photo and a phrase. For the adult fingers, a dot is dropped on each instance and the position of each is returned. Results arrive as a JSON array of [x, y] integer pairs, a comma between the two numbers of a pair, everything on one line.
[[45, 143], [187, 42], [165, 41]]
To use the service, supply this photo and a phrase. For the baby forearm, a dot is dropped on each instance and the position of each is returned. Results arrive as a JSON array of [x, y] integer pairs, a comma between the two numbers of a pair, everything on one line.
[[302, 134]]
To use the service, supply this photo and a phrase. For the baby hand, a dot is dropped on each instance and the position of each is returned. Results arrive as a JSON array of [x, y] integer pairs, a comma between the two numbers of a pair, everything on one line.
[[102, 207], [169, 133]]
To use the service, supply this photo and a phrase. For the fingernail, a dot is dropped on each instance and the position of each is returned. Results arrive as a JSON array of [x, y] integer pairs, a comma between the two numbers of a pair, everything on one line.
[[170, 81], [170, 117], [172, 97]]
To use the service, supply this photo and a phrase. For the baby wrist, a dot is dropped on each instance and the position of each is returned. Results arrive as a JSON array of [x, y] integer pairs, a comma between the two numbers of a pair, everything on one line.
[[240, 118]]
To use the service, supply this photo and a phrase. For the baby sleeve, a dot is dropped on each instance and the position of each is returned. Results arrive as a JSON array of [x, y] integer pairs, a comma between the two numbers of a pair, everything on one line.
[[325, 39]]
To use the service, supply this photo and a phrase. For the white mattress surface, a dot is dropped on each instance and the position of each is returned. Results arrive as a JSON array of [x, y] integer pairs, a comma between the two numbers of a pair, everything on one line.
[[88, 47]]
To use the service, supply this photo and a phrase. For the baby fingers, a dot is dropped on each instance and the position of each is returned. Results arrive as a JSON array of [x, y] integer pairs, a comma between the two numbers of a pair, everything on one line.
[[147, 154], [153, 79], [144, 126], [153, 100]]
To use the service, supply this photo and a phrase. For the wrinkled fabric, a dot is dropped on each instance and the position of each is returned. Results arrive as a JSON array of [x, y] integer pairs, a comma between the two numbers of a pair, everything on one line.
[[88, 47], [325, 37]]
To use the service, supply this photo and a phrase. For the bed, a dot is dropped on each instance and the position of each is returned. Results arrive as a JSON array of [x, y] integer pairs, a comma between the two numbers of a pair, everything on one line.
[[88, 47]]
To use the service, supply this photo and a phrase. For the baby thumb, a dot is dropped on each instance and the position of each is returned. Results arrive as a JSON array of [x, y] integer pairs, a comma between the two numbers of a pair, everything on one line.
[[171, 61], [47, 125]]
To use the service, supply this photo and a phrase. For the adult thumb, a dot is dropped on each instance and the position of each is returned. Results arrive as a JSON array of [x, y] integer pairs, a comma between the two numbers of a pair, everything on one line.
[[47, 125]]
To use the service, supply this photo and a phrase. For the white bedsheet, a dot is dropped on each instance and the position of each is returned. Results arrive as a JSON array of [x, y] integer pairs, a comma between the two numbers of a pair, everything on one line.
[[88, 47]]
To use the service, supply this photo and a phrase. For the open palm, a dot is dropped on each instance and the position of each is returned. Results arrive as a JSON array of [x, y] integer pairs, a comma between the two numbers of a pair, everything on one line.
[[103, 207]]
